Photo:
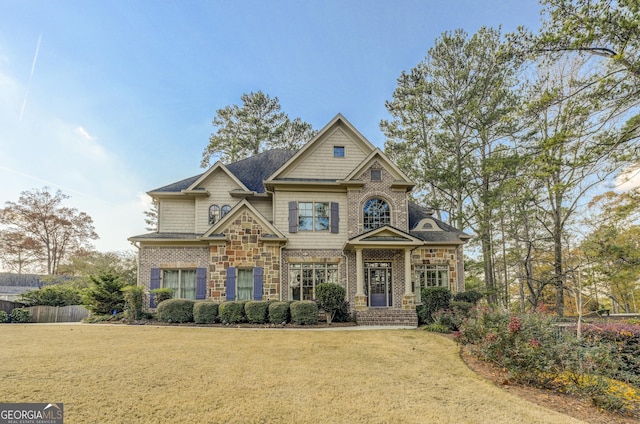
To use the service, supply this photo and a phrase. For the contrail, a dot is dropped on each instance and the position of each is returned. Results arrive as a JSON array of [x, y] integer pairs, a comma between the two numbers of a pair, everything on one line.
[[33, 68], [35, 56]]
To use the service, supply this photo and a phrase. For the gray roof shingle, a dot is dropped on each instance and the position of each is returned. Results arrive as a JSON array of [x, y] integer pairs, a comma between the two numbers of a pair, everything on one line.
[[250, 171]]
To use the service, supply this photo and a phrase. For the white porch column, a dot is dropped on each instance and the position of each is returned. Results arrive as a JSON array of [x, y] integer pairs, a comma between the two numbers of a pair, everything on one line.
[[359, 273], [407, 272]]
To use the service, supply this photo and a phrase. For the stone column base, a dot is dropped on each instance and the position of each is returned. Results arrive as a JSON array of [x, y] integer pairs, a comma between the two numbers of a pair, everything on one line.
[[408, 301], [361, 302]]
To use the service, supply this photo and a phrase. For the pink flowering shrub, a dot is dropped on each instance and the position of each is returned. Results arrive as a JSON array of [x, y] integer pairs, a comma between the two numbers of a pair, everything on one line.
[[536, 350]]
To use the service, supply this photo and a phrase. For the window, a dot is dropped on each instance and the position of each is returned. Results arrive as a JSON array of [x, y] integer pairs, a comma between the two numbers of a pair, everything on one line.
[[376, 213], [376, 175], [245, 284], [432, 276], [313, 216], [338, 151], [214, 214], [303, 279], [182, 281], [225, 210]]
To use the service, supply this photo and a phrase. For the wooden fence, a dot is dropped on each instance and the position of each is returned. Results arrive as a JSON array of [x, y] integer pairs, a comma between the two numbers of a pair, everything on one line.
[[7, 306], [73, 313]]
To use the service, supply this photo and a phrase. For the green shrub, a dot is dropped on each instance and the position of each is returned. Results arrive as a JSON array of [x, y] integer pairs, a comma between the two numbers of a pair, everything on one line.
[[256, 311], [469, 296], [330, 297], [279, 312], [20, 315], [160, 295], [463, 309], [433, 300], [53, 295], [447, 318], [343, 314], [304, 312], [231, 312], [176, 310], [4, 317], [105, 294], [437, 328], [133, 300], [205, 312]]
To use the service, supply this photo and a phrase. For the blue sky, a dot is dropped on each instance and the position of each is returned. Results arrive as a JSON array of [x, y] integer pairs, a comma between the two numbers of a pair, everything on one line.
[[106, 100]]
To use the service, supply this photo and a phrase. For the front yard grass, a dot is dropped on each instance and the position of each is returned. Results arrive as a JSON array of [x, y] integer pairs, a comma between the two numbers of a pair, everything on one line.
[[148, 374]]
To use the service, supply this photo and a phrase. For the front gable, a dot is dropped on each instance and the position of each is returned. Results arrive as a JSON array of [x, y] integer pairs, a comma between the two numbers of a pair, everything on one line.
[[331, 155], [384, 238], [378, 160], [241, 215]]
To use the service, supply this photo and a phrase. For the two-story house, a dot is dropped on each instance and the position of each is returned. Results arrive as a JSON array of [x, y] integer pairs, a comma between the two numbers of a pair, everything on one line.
[[274, 226]]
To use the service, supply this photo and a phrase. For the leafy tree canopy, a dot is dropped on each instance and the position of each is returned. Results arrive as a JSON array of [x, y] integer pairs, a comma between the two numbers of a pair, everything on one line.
[[257, 125]]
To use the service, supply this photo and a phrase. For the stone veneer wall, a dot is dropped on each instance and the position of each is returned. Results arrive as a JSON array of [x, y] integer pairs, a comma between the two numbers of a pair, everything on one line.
[[244, 249], [397, 200], [177, 257], [315, 256], [440, 256]]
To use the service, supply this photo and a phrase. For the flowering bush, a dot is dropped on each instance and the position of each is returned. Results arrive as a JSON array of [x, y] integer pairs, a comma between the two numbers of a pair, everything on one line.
[[536, 350]]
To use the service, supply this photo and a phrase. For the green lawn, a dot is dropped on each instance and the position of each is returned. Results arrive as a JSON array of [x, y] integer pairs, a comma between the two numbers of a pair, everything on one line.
[[147, 374]]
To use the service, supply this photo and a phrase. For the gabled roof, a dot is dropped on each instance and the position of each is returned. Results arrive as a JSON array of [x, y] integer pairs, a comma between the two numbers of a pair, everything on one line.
[[377, 154], [249, 172], [383, 237], [273, 234], [424, 226], [338, 120]]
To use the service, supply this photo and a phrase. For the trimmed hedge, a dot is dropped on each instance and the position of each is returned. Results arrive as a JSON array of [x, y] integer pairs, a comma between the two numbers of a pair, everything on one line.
[[304, 312], [279, 312], [176, 310], [231, 312], [256, 311], [205, 312], [330, 297]]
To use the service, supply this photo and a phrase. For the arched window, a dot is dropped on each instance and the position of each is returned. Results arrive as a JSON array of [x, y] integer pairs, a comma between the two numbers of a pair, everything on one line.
[[214, 214], [225, 210], [376, 213]]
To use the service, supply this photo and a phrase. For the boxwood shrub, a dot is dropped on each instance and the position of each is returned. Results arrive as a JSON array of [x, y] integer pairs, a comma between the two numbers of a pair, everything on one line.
[[20, 315], [4, 317], [279, 312], [304, 312], [231, 312], [256, 311], [205, 312], [176, 310]]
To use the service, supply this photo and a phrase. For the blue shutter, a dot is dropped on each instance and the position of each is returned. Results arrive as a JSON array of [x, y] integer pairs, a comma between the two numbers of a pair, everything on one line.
[[155, 284], [257, 283], [231, 283], [201, 283], [335, 218], [293, 217]]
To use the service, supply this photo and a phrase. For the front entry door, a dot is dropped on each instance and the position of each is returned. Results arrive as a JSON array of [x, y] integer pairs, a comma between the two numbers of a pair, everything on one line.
[[378, 282]]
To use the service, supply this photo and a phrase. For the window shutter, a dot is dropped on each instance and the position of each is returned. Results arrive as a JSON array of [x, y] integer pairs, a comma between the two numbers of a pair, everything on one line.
[[201, 283], [335, 218], [293, 217], [231, 283], [155, 284], [257, 283]]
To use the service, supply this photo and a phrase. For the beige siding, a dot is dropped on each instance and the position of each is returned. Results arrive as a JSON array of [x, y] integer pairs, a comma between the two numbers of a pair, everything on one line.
[[218, 185], [177, 216], [311, 239], [264, 206], [320, 163]]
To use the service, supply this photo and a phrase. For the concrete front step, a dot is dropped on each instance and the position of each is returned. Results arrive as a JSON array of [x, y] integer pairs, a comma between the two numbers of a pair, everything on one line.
[[386, 316]]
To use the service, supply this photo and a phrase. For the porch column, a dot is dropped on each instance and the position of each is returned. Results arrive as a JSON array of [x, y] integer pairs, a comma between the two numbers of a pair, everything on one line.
[[407, 272], [409, 298], [359, 273], [360, 298]]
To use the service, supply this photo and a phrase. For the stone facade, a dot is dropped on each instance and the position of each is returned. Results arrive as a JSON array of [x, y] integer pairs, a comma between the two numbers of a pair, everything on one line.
[[244, 248]]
